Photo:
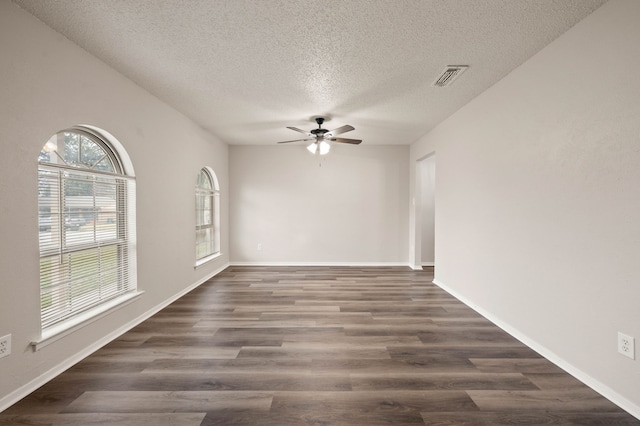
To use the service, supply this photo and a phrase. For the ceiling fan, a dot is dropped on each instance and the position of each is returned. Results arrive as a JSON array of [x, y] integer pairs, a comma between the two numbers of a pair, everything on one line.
[[320, 137]]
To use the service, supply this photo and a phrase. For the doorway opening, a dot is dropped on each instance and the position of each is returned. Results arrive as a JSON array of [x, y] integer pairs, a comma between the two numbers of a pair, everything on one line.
[[425, 211]]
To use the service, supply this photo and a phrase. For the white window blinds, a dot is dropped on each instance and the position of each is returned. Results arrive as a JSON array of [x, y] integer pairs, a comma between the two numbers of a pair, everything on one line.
[[87, 232], [207, 238]]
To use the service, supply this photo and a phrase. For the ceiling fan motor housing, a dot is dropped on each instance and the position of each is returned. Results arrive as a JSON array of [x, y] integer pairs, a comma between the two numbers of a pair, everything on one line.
[[319, 132]]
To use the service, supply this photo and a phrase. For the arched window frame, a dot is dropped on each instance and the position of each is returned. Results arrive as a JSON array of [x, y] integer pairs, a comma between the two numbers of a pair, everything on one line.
[[88, 244], [207, 209]]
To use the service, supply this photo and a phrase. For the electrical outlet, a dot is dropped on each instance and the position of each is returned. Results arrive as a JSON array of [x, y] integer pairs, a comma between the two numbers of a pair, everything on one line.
[[5, 345], [627, 345], [259, 246]]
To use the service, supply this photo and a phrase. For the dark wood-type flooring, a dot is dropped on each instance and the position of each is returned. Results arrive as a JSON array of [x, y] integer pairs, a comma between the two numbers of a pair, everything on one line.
[[316, 346]]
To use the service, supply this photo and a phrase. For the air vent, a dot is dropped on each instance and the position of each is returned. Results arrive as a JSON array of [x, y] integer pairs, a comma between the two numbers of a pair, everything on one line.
[[450, 73]]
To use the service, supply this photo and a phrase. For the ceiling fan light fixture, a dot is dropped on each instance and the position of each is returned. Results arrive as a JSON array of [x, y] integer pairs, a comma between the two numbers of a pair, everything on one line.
[[313, 147], [324, 147]]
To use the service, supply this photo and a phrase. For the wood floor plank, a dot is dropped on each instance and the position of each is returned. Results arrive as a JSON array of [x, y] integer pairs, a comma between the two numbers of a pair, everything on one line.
[[554, 380], [169, 401], [107, 354], [465, 336], [355, 341], [461, 351], [280, 346], [111, 419], [242, 365], [257, 323], [578, 400], [499, 418], [310, 351], [373, 408], [520, 365], [188, 341], [440, 381], [389, 366], [48, 399]]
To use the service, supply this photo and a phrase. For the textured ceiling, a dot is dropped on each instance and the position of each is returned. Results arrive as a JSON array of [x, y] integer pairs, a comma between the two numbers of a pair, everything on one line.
[[246, 69]]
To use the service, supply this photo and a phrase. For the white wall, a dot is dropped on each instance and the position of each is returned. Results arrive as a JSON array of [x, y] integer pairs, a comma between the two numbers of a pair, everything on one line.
[[351, 210], [538, 200], [49, 84]]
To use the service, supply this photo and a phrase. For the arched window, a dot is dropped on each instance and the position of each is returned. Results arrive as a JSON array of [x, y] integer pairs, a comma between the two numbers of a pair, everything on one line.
[[207, 216], [86, 215]]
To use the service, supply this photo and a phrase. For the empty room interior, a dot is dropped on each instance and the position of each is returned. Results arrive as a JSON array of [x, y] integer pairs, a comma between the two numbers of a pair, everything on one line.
[[343, 212]]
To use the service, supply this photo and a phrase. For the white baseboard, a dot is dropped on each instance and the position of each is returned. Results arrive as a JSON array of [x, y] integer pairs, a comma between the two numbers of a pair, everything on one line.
[[428, 263], [355, 264], [594, 384], [34, 384]]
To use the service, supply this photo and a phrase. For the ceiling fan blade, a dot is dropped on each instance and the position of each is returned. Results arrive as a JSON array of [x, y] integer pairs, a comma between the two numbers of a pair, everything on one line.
[[299, 130], [340, 130], [346, 140], [299, 140]]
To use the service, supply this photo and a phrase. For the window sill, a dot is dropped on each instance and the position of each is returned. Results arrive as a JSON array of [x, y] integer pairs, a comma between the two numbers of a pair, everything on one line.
[[207, 259], [74, 324]]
